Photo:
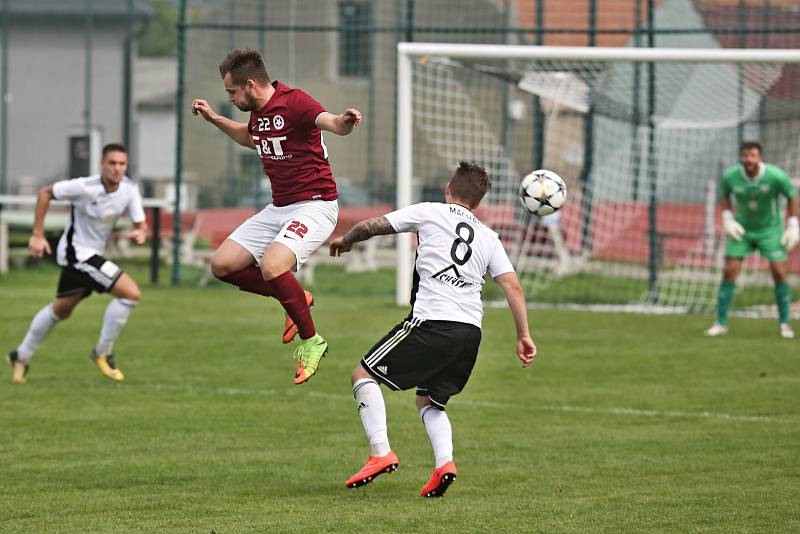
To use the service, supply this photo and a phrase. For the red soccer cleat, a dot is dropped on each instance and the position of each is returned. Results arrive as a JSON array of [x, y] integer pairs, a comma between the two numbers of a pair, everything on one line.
[[440, 480], [289, 328], [375, 466]]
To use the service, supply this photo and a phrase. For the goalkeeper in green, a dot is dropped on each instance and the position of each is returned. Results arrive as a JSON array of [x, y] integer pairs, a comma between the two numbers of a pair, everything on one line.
[[756, 224]]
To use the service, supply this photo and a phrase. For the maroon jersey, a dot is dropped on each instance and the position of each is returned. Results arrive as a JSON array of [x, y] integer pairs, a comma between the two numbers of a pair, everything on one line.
[[291, 148]]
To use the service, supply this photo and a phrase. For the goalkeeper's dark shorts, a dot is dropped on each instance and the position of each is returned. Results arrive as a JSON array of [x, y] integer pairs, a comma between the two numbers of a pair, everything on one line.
[[766, 242], [436, 357]]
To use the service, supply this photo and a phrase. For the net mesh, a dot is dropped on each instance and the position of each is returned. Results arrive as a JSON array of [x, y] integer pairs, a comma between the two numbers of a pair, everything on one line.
[[641, 224]]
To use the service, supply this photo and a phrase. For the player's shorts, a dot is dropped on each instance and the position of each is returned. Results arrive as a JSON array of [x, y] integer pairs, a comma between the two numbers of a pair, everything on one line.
[[95, 274], [302, 227], [436, 357], [767, 242]]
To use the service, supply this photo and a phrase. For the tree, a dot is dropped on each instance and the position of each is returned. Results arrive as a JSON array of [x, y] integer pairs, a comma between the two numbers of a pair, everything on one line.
[[161, 36]]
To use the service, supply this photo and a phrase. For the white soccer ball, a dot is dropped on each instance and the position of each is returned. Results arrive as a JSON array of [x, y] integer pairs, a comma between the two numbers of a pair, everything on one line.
[[542, 192]]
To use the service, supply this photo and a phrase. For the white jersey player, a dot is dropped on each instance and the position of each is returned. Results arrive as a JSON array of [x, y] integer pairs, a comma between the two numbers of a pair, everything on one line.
[[434, 349], [96, 202]]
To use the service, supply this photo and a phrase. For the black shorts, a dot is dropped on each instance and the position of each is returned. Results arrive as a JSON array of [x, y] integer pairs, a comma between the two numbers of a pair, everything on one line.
[[95, 274], [436, 357]]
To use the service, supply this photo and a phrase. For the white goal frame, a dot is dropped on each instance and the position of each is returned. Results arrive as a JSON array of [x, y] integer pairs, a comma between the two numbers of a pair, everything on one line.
[[407, 52]]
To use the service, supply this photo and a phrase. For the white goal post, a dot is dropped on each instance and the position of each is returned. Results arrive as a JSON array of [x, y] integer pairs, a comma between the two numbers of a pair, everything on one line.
[[411, 55]]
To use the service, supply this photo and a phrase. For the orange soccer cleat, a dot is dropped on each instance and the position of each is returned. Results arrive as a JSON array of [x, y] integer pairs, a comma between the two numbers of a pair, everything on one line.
[[289, 327], [440, 480], [375, 466]]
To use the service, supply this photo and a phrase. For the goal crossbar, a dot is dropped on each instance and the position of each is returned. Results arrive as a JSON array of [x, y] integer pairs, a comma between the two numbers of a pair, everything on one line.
[[585, 53]]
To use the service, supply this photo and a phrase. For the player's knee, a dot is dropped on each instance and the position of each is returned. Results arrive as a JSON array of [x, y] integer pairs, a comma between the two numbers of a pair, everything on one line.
[[270, 270], [134, 295], [62, 312], [219, 267], [62, 315], [422, 401], [359, 373], [779, 277]]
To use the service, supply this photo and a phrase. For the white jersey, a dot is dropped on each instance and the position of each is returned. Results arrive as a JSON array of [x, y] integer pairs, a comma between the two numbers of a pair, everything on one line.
[[93, 214], [454, 252]]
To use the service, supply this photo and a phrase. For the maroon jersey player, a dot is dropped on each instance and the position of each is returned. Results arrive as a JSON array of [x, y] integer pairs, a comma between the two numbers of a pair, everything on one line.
[[285, 127]]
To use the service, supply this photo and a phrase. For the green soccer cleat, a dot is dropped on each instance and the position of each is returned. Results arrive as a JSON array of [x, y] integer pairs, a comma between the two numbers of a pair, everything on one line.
[[308, 355]]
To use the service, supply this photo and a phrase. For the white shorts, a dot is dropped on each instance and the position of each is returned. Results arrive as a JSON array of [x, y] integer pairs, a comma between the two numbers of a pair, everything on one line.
[[302, 227]]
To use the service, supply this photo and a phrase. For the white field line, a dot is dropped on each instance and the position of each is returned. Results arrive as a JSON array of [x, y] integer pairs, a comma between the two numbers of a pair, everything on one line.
[[267, 392]]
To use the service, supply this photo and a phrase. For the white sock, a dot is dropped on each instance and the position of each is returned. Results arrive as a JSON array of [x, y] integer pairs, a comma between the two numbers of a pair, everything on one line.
[[41, 325], [116, 316], [373, 415], [440, 433]]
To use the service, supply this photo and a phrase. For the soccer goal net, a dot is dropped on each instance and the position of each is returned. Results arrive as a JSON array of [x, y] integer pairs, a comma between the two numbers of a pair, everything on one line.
[[641, 137]]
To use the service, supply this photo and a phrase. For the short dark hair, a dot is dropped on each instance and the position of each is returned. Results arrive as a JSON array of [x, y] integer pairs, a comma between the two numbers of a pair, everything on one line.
[[114, 147], [749, 145], [244, 64], [470, 183]]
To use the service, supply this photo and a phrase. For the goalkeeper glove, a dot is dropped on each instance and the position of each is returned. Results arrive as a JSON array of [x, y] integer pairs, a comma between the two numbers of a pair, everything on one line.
[[732, 226], [791, 235]]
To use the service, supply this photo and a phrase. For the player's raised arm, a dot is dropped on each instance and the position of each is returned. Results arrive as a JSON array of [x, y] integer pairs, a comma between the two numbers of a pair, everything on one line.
[[339, 124], [361, 232], [37, 244], [233, 129], [509, 283]]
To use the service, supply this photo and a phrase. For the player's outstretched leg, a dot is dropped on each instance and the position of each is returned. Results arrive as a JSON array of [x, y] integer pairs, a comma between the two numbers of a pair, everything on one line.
[[290, 328], [783, 298], [313, 346], [40, 327], [724, 301], [733, 264], [437, 424], [372, 411], [127, 296], [276, 265]]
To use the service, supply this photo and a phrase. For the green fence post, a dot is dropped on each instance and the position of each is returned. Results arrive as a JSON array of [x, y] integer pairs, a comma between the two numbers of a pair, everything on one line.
[[176, 222]]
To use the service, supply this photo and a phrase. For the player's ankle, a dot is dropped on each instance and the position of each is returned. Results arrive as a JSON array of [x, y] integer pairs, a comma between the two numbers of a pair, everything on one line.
[[313, 340], [379, 450]]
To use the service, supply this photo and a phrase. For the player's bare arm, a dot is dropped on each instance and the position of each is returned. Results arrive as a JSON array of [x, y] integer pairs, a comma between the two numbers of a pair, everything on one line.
[[37, 244], [361, 232], [138, 234], [233, 129], [509, 283], [793, 210], [339, 124]]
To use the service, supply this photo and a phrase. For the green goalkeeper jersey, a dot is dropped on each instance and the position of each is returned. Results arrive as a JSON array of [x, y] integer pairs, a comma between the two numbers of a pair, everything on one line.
[[757, 199]]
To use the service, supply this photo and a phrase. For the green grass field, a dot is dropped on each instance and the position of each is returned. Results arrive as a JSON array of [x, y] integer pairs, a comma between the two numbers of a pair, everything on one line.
[[625, 423]]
